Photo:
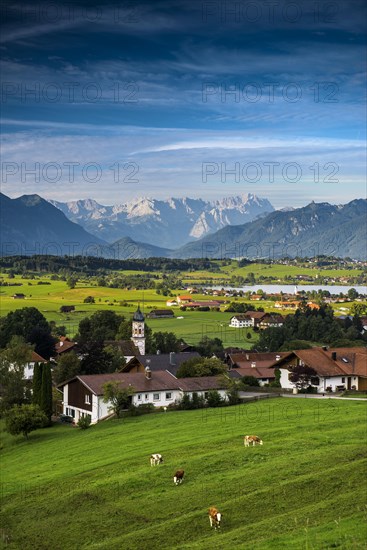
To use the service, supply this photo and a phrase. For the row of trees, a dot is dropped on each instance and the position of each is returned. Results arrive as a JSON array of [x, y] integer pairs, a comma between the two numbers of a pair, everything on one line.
[[311, 325]]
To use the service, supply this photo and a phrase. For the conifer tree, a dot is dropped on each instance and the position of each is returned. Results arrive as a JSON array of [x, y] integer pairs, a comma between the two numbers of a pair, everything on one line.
[[46, 391], [37, 384]]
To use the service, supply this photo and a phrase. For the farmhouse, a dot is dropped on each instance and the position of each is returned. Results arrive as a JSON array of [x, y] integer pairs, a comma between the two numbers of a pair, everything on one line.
[[83, 395], [161, 314], [249, 319], [270, 320], [259, 365], [341, 368], [294, 304], [184, 299]]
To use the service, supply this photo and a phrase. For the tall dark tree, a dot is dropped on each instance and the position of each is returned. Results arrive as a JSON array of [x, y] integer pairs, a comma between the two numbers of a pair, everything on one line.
[[46, 391], [37, 384], [102, 325], [29, 323]]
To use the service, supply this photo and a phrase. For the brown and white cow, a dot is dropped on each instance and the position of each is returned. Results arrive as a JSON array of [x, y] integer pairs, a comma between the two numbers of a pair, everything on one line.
[[252, 439], [156, 459], [178, 477], [215, 518]]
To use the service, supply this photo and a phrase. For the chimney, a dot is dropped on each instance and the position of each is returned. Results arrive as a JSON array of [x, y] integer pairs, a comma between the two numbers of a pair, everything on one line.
[[247, 357], [171, 358], [148, 373], [158, 351], [277, 357], [61, 343], [253, 365], [333, 355]]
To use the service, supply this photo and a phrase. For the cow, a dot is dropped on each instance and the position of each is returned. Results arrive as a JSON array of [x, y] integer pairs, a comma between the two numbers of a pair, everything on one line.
[[156, 459], [214, 517], [252, 439], [178, 477]]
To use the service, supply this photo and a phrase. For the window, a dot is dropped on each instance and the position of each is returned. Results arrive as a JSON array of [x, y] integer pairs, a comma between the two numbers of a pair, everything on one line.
[[139, 396], [87, 399], [169, 395], [315, 381], [70, 412], [343, 380], [156, 396], [146, 397]]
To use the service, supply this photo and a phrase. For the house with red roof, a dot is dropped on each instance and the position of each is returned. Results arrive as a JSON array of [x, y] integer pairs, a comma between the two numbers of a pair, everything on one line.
[[336, 369], [83, 395]]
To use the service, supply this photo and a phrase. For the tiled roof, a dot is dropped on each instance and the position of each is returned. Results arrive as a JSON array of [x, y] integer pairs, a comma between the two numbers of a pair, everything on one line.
[[36, 358], [159, 381], [64, 345], [201, 383], [162, 361]]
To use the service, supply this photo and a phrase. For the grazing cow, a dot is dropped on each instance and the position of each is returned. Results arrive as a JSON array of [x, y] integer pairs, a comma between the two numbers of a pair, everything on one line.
[[252, 439], [214, 518], [156, 459], [178, 477]]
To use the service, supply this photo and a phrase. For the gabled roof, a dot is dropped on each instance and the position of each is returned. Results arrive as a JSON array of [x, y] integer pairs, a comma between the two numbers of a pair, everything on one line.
[[266, 359], [64, 345], [36, 358], [160, 381], [162, 361], [331, 362], [256, 372]]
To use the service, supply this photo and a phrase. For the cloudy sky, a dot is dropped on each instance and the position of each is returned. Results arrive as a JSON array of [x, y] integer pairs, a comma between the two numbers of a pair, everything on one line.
[[184, 98]]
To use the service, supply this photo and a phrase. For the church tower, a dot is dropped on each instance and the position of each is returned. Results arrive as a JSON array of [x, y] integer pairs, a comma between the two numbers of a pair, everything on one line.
[[138, 331]]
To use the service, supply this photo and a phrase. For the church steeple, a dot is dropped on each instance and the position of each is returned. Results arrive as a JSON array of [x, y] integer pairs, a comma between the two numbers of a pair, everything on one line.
[[138, 336]]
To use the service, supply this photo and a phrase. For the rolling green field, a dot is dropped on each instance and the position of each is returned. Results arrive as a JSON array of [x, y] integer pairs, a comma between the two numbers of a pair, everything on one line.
[[303, 489]]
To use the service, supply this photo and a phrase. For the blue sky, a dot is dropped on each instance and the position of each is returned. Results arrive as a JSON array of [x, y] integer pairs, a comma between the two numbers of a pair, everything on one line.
[[179, 98]]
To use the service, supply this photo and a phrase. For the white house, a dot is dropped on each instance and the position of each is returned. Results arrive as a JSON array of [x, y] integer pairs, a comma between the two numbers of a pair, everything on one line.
[[249, 319], [83, 395], [337, 369], [29, 366]]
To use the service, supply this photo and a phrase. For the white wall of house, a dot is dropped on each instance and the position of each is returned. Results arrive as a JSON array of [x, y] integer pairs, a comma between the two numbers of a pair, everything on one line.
[[240, 323], [325, 382], [159, 398]]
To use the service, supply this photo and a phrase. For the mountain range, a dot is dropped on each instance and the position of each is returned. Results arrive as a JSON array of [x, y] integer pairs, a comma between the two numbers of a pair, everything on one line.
[[167, 223], [32, 225]]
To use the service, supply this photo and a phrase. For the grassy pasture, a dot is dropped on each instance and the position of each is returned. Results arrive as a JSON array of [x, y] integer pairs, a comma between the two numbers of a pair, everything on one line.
[[303, 489]]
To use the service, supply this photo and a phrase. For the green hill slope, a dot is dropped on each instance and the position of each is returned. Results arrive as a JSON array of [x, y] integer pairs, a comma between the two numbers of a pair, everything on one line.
[[69, 489]]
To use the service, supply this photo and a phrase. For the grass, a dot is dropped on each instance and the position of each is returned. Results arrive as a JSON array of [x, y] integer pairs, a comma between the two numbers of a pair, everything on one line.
[[303, 489]]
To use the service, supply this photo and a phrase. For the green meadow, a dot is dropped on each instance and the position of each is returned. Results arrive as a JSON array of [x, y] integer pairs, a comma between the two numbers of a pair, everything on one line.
[[304, 488]]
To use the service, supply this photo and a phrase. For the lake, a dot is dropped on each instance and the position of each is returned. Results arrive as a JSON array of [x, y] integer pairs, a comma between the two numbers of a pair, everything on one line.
[[290, 289]]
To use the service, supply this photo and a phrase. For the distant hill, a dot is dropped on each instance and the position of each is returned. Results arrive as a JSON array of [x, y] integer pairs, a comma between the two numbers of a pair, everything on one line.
[[31, 225], [165, 223], [314, 229], [126, 249]]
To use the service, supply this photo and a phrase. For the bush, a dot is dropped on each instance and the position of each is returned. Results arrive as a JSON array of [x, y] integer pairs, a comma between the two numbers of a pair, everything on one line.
[[214, 399], [84, 422], [89, 300], [250, 381]]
